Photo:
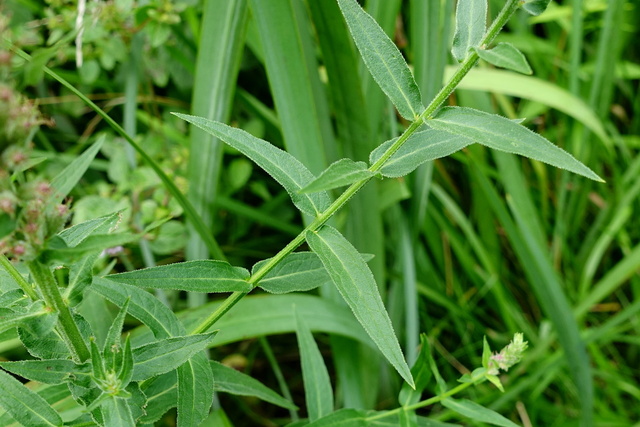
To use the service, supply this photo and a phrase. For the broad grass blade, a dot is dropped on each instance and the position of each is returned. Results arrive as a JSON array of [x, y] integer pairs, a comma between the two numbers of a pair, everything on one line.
[[338, 174], [506, 55], [317, 385], [471, 23], [196, 276], [420, 148], [282, 166], [229, 380], [505, 135], [356, 284], [24, 405], [383, 59]]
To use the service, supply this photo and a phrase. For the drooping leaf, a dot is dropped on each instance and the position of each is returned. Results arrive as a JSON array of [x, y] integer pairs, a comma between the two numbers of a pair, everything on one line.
[[195, 276], [53, 371], [282, 166], [471, 22], [229, 380], [338, 174], [24, 405], [477, 412], [64, 182], [356, 284], [421, 147], [297, 272], [75, 235], [536, 7], [503, 134], [162, 356], [383, 59], [506, 55], [317, 385], [195, 390]]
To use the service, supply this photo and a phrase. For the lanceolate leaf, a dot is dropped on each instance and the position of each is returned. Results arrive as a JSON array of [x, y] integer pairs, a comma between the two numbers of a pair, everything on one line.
[[75, 235], [282, 166], [503, 134], [229, 380], [195, 391], [54, 371], [297, 272], [471, 21], [64, 182], [477, 412], [24, 405], [535, 7], [356, 284], [506, 55], [116, 412], [383, 59], [195, 276], [343, 172], [421, 147]]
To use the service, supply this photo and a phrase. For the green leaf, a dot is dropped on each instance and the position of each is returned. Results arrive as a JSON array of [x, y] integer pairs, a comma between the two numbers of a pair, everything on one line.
[[506, 55], [383, 59], [195, 390], [282, 166], [536, 7], [195, 276], [503, 134], [338, 174], [24, 405], [476, 412], [53, 371], [10, 319], [317, 385], [165, 355], [229, 380], [162, 395], [57, 250], [116, 412], [297, 272], [421, 147], [421, 374], [75, 235], [356, 284], [342, 418], [112, 348], [471, 21], [64, 182], [80, 274]]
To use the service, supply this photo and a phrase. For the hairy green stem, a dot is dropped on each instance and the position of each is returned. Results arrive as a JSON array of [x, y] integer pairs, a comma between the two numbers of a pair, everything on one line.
[[510, 7], [24, 285], [68, 328]]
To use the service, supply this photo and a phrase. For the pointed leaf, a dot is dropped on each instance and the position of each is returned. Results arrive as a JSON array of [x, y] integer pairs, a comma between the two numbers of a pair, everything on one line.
[[80, 274], [195, 276], [356, 284], [317, 385], [421, 372], [383, 59], [342, 418], [162, 395], [228, 380], [75, 235], [64, 182], [297, 272], [477, 412], [126, 363], [116, 412], [421, 147], [338, 174], [53, 371], [24, 405], [471, 22], [506, 55], [536, 7], [112, 342], [282, 166], [503, 134], [195, 391], [165, 355]]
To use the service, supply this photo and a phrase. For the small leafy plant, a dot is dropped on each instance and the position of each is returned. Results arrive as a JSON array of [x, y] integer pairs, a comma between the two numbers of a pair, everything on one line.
[[105, 379]]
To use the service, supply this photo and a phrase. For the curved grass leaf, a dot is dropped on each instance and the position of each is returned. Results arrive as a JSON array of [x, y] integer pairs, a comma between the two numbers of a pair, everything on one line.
[[421, 147], [162, 356], [536, 7], [506, 55], [229, 380], [24, 405], [356, 284], [195, 276], [317, 385], [505, 135], [383, 59], [338, 174], [471, 22], [477, 412], [195, 390], [282, 166], [297, 272], [64, 182]]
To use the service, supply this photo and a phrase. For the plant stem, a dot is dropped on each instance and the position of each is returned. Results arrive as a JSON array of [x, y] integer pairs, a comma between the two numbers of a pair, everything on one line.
[[68, 327], [26, 287], [504, 15]]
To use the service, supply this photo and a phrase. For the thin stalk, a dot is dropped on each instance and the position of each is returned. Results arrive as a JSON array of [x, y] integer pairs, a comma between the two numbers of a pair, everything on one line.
[[24, 285], [68, 328], [321, 219]]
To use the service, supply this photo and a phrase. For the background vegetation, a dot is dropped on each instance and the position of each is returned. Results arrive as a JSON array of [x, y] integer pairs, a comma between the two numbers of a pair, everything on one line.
[[478, 243]]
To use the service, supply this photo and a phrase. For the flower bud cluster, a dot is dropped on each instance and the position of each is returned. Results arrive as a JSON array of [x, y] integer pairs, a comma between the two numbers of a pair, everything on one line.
[[508, 356]]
